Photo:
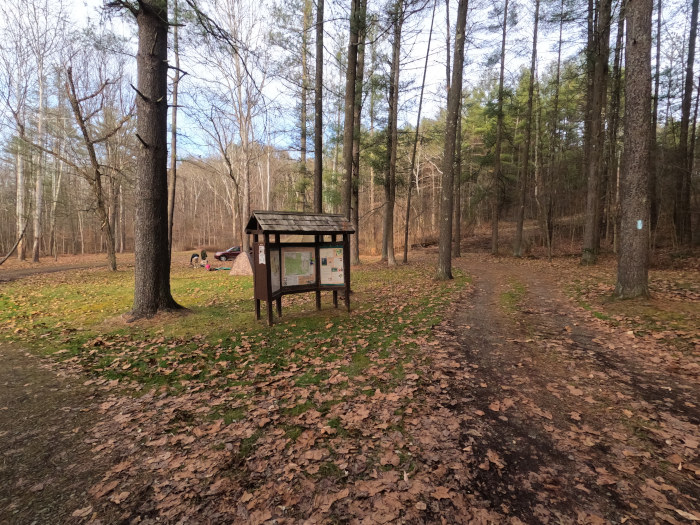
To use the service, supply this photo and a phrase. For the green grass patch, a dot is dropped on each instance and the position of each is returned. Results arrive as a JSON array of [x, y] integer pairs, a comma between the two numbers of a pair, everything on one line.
[[330, 470], [217, 341], [248, 444], [229, 416], [293, 432], [298, 410], [510, 299]]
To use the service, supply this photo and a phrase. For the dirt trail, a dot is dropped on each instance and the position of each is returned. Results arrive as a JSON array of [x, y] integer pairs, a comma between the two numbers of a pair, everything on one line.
[[45, 462], [12, 274], [574, 423]]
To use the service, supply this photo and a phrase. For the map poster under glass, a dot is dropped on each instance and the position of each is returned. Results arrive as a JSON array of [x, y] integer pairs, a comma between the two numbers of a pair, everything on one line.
[[275, 277], [332, 269], [298, 267]]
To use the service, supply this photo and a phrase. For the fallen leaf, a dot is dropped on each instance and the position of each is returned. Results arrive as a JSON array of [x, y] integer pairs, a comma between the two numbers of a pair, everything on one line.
[[687, 515], [118, 498], [441, 492], [82, 513]]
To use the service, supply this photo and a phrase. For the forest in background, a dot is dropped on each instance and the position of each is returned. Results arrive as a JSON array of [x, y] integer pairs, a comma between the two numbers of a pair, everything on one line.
[[247, 121]]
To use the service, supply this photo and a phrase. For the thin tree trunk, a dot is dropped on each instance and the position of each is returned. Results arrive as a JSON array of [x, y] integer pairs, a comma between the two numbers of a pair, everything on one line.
[[122, 221], [357, 121], [392, 138], [318, 112], [415, 140], [496, 184], [554, 151], [21, 217], [654, 125], [444, 268], [56, 189], [611, 164], [372, 105], [448, 47], [693, 135], [95, 177], [594, 163], [633, 265], [525, 169], [456, 221], [305, 85], [14, 247], [683, 181], [349, 127], [39, 187], [82, 233], [173, 131], [590, 71]]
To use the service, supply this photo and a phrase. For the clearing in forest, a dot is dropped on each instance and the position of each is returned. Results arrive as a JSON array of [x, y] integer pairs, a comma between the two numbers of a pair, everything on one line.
[[519, 392]]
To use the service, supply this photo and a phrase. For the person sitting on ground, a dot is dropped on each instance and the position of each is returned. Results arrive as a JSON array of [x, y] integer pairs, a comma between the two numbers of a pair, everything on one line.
[[194, 260], [203, 258]]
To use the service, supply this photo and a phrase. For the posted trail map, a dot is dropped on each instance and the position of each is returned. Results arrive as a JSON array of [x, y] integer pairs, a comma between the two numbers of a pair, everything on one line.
[[298, 266], [332, 269]]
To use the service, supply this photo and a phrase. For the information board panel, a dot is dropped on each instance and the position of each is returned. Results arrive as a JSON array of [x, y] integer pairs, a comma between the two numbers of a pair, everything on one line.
[[332, 267], [298, 266], [275, 276]]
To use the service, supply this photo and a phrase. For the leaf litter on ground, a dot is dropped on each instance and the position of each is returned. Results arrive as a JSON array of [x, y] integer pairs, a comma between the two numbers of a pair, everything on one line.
[[361, 417]]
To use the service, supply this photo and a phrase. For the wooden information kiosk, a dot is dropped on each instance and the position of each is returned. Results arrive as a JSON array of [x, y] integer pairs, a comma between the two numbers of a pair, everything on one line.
[[299, 252]]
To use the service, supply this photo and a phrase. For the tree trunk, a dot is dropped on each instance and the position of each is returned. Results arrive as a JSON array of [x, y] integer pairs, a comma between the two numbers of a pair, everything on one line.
[[21, 217], [392, 137], [318, 112], [357, 122], [122, 221], [39, 186], [653, 201], [305, 84], [525, 169], [633, 265], [95, 177], [349, 127], [244, 131], [590, 70], [173, 132], [456, 220], [55, 192], [444, 269], [496, 183], [151, 255], [547, 186], [415, 140], [611, 164], [594, 161], [683, 180]]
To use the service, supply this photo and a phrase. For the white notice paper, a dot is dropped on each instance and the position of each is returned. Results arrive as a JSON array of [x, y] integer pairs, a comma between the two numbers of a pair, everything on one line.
[[332, 267]]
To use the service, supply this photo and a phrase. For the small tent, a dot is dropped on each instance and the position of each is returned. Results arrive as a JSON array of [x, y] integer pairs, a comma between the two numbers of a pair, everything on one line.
[[242, 265]]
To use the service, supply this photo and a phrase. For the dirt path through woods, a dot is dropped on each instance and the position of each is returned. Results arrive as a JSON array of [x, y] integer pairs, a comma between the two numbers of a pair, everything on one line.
[[575, 421], [12, 274], [46, 463]]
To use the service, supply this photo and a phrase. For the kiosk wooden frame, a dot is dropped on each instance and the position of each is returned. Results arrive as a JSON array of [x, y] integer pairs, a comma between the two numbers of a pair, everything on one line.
[[281, 268]]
